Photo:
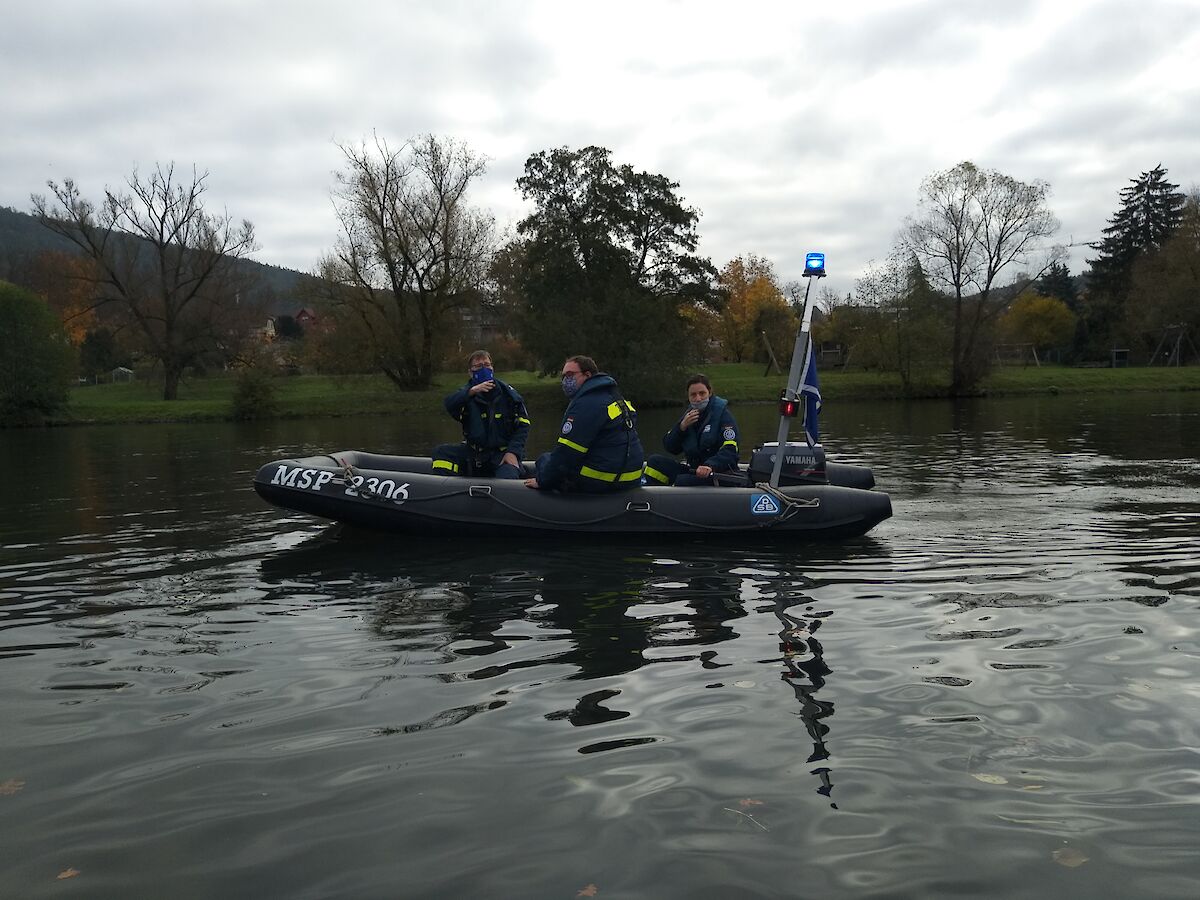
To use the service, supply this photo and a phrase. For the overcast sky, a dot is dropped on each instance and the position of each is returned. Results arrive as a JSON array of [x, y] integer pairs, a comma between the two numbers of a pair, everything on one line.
[[790, 126]]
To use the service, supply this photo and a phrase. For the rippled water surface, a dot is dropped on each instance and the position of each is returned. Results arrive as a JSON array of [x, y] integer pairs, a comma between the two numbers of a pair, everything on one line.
[[995, 693]]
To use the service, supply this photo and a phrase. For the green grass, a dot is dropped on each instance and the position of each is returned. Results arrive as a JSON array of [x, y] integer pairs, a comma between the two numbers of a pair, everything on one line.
[[303, 396]]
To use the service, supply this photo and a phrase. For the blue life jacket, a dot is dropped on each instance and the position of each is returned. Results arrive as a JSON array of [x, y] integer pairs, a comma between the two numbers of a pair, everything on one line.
[[711, 441], [492, 421], [598, 442]]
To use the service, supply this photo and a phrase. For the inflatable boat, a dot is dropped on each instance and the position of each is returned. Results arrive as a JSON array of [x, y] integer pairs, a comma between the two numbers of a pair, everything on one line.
[[814, 500], [795, 494]]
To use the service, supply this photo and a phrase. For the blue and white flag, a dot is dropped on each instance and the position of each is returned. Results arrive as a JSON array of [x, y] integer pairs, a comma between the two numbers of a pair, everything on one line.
[[811, 392]]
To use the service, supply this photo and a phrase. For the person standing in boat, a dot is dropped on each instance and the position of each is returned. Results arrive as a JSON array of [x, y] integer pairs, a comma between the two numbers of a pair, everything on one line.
[[494, 421], [706, 435], [598, 449]]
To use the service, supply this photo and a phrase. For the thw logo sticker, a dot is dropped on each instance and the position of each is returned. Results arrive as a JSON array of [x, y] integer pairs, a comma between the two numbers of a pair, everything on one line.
[[763, 505]]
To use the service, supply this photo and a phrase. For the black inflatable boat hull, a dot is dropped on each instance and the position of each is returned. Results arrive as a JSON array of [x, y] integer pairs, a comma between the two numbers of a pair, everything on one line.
[[399, 493]]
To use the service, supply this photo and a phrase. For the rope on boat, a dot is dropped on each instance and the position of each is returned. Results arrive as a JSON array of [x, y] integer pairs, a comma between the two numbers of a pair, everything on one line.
[[791, 506]]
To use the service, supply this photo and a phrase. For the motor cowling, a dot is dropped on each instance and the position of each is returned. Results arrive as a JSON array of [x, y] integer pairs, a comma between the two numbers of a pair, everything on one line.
[[802, 464]]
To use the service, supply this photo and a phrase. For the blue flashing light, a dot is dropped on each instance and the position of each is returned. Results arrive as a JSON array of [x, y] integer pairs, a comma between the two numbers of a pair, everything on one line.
[[814, 265]]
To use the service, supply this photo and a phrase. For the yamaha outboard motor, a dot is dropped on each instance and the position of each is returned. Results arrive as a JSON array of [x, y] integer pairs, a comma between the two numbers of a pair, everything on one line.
[[802, 464]]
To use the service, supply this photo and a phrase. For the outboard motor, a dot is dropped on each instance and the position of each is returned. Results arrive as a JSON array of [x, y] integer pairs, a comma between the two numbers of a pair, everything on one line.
[[802, 464]]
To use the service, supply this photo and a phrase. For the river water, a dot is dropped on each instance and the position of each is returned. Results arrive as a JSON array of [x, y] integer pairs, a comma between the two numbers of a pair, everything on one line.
[[993, 694]]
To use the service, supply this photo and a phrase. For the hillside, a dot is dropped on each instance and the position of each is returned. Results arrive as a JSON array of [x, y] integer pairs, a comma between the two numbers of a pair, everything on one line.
[[22, 238]]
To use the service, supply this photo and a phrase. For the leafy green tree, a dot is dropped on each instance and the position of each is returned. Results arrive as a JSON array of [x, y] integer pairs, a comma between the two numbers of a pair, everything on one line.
[[1042, 321], [413, 253], [164, 260], [288, 329], [98, 352], [605, 264], [36, 358], [974, 224]]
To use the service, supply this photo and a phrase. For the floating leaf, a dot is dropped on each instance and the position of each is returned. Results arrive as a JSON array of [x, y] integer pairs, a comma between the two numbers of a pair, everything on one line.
[[1033, 787], [989, 779], [1070, 857], [747, 803], [1042, 822], [67, 873], [743, 684], [10, 787], [590, 891]]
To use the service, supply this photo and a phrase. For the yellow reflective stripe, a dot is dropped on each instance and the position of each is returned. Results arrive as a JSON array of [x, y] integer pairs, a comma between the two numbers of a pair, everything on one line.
[[523, 421], [444, 464], [657, 475], [618, 408], [589, 472], [572, 445], [732, 444], [497, 415]]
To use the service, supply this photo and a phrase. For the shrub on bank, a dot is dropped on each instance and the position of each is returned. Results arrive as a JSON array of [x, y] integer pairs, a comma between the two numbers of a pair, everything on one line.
[[37, 361], [254, 393]]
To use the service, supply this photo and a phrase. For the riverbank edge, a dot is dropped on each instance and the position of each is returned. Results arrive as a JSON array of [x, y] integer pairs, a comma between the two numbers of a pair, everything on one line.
[[327, 397]]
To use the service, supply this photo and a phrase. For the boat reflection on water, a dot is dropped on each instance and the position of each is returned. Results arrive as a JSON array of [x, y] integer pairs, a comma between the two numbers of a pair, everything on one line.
[[536, 621]]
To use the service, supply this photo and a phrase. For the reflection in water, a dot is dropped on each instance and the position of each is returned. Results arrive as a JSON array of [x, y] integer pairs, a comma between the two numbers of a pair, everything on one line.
[[805, 671], [601, 612]]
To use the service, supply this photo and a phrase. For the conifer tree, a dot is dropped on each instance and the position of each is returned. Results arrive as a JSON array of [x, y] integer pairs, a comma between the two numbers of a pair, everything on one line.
[[1150, 212], [1151, 209]]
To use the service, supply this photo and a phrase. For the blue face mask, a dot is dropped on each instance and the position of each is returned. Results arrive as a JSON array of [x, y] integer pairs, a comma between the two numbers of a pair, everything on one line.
[[479, 376], [700, 405], [570, 386]]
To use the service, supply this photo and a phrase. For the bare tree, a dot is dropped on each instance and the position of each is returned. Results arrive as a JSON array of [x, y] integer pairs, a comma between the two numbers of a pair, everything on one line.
[[163, 258], [972, 225], [412, 254]]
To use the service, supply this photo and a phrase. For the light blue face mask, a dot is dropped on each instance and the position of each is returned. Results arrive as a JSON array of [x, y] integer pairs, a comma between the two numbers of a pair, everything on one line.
[[570, 386], [699, 405]]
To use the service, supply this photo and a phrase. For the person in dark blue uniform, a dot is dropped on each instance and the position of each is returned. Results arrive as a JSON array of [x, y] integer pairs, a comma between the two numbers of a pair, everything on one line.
[[598, 449], [494, 421], [706, 435]]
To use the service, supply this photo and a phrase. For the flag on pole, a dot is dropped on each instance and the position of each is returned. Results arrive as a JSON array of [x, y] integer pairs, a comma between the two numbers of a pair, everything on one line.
[[811, 393]]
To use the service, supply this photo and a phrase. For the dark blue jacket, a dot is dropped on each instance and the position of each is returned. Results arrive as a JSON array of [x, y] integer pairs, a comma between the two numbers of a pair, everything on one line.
[[495, 420], [712, 441], [598, 440]]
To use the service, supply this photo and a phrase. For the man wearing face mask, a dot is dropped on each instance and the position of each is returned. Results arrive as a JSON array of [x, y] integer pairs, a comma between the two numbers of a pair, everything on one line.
[[494, 421], [706, 435], [598, 449]]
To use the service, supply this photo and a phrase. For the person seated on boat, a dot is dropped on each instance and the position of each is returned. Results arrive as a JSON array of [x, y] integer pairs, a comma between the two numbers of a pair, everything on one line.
[[706, 435], [598, 449], [494, 421]]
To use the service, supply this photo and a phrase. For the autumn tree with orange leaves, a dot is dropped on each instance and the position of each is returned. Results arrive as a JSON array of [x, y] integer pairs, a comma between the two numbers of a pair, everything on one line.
[[66, 282], [754, 304]]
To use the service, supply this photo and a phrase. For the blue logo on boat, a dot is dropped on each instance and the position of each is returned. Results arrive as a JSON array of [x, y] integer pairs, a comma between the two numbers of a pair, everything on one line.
[[763, 505]]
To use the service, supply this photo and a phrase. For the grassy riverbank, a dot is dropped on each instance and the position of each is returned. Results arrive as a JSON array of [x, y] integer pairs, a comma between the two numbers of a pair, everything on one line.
[[302, 396]]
